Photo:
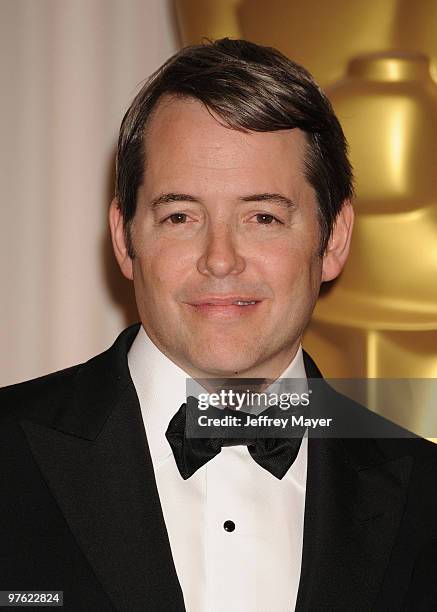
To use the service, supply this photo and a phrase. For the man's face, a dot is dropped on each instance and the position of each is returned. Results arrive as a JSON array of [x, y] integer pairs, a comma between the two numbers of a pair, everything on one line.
[[224, 215]]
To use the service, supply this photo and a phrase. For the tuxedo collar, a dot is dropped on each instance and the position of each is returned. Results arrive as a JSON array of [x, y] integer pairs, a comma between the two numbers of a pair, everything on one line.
[[96, 461], [161, 388]]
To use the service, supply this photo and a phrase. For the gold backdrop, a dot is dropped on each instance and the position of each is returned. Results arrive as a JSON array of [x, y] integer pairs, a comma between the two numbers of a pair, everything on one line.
[[377, 61]]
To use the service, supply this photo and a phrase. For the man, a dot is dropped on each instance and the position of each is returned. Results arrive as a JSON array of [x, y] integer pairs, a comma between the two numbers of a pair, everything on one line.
[[233, 205]]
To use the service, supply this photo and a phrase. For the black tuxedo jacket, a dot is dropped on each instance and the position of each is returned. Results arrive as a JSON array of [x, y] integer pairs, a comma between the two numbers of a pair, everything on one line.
[[80, 510]]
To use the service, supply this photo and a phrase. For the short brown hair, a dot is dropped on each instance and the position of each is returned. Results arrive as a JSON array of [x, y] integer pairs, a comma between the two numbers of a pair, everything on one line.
[[251, 88]]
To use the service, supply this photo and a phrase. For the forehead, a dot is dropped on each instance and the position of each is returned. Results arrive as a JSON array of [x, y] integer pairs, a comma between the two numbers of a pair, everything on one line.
[[182, 135]]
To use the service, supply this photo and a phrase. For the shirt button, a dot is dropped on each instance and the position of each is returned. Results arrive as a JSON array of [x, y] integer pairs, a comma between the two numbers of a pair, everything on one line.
[[229, 525]]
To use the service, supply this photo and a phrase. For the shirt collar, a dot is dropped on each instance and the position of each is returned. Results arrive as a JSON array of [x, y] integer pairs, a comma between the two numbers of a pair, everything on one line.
[[161, 388]]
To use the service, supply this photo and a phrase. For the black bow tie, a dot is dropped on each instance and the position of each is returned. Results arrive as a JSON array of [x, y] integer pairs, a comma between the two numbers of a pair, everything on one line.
[[276, 455]]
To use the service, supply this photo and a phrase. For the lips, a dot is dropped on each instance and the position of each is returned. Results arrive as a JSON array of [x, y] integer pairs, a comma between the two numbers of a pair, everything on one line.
[[226, 308], [226, 301]]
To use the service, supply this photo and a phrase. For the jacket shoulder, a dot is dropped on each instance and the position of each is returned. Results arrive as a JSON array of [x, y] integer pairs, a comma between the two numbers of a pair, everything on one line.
[[39, 397], [95, 381]]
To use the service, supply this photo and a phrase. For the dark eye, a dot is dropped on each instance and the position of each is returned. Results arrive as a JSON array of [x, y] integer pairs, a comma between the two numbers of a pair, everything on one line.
[[176, 218], [266, 219]]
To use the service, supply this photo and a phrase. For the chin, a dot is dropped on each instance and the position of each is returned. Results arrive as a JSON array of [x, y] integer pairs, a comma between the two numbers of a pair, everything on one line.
[[223, 366]]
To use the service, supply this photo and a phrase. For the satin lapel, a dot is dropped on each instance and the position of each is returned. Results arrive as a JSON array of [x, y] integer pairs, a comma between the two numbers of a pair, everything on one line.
[[355, 496], [97, 465], [353, 511]]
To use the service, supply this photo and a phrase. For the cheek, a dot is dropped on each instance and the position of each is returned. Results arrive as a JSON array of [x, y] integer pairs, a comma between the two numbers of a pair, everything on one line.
[[284, 266], [294, 274], [162, 270]]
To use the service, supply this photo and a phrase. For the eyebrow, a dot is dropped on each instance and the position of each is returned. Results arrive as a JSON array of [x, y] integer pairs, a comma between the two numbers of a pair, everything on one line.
[[270, 197], [168, 198]]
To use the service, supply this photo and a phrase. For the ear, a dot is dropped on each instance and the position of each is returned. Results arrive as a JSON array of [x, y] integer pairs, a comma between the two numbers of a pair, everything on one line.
[[116, 224], [337, 250]]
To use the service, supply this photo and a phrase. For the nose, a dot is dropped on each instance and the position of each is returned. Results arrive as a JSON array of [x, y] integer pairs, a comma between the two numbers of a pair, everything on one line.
[[220, 256]]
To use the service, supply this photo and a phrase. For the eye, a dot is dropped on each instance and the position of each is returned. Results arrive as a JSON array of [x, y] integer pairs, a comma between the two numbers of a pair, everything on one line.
[[176, 218], [266, 219]]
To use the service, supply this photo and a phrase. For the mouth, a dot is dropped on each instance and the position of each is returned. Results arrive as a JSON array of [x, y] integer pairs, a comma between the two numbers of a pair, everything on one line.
[[226, 307]]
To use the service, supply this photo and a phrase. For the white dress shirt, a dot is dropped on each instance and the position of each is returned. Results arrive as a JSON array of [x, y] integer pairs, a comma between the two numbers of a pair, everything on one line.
[[255, 567]]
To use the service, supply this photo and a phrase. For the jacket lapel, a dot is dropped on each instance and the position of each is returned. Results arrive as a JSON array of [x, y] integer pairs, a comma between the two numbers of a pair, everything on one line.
[[97, 464], [353, 510], [356, 492]]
